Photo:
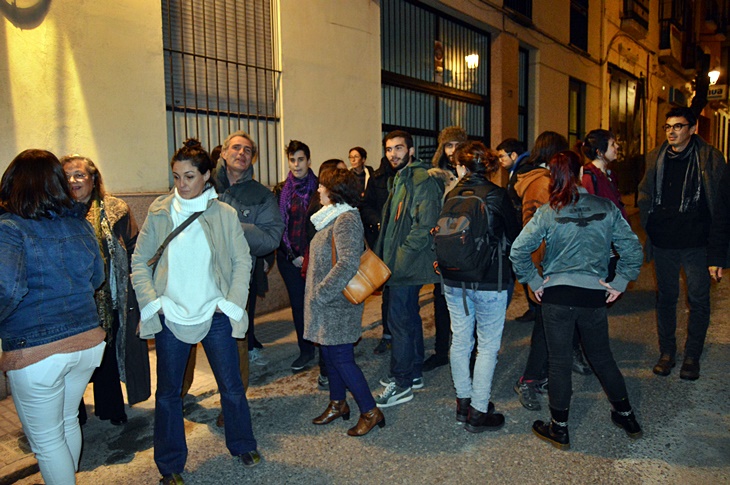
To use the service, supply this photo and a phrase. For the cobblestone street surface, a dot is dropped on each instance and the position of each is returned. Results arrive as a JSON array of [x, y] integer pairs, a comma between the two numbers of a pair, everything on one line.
[[686, 424]]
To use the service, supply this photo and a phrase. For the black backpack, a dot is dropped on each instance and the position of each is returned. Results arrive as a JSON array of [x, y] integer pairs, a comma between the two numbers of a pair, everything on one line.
[[464, 244]]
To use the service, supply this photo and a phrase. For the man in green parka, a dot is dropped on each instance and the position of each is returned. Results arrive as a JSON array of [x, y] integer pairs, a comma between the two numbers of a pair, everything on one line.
[[406, 246]]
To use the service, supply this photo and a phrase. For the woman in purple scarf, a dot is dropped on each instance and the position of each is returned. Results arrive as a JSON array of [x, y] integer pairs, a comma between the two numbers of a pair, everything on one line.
[[294, 196]]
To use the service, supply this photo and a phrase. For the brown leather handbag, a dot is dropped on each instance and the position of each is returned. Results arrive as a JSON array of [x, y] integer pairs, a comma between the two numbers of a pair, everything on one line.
[[371, 275]]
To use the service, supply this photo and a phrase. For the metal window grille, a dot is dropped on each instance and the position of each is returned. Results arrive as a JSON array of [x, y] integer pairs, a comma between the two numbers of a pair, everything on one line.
[[427, 81], [221, 75]]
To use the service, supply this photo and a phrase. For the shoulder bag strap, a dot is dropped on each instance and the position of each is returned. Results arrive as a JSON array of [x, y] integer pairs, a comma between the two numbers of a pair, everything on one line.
[[156, 258]]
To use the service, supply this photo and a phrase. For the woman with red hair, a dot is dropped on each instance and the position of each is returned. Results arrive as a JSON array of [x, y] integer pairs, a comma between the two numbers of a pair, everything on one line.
[[578, 229]]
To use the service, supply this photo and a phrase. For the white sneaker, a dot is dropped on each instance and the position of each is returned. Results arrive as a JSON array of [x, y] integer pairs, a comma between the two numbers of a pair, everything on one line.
[[255, 357], [393, 395]]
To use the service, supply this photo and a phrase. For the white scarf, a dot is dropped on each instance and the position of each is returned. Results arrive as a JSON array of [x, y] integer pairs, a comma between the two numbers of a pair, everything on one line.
[[328, 213]]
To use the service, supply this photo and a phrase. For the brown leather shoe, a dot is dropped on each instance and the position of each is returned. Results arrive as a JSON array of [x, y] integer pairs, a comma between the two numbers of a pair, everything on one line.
[[690, 370], [665, 365], [367, 422], [334, 410]]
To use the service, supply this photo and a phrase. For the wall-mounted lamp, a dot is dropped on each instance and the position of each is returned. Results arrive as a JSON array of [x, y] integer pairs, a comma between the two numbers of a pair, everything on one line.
[[472, 61], [714, 75]]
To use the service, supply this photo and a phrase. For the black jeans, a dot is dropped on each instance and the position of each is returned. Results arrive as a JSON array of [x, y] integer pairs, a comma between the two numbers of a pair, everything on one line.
[[537, 360], [442, 322], [668, 263], [294, 283], [560, 322]]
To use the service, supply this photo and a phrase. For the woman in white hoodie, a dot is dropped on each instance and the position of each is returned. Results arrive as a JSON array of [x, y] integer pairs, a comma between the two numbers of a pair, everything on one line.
[[191, 290]]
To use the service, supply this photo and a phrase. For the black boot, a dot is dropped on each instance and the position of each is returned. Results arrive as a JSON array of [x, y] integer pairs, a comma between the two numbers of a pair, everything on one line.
[[479, 421], [556, 431], [462, 409], [623, 416]]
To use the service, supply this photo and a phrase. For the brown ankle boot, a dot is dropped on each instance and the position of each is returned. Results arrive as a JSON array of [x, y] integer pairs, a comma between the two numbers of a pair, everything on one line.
[[334, 410], [367, 422]]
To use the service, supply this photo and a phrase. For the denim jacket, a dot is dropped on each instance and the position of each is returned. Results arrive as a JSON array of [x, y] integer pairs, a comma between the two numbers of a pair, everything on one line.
[[49, 269]]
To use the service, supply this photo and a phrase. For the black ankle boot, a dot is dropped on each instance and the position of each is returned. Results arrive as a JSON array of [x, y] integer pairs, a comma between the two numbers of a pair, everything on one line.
[[479, 421], [623, 416], [556, 431], [462, 409]]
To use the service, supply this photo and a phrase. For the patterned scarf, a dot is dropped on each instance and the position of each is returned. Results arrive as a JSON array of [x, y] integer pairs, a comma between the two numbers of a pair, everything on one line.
[[301, 190], [106, 296], [692, 186]]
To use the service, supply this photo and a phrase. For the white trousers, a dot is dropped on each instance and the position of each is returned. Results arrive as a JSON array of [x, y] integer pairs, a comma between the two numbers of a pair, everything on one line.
[[47, 396]]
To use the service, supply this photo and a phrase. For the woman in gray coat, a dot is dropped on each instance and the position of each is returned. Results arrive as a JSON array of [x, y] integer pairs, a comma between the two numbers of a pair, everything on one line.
[[330, 320]]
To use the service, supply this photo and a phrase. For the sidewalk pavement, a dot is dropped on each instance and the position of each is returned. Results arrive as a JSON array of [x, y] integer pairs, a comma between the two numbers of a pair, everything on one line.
[[17, 461]]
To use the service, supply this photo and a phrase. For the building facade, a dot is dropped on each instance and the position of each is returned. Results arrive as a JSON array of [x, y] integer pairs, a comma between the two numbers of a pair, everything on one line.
[[126, 83]]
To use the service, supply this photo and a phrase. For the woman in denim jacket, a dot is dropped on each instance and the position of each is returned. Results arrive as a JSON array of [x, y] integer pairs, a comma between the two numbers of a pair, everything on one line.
[[50, 265], [197, 293]]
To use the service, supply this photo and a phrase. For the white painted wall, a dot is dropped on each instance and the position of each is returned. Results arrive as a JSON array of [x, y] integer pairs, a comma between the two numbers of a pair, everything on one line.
[[88, 79], [331, 98]]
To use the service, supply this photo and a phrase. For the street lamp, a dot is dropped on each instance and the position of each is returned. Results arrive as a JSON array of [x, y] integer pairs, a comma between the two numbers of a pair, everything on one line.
[[714, 75]]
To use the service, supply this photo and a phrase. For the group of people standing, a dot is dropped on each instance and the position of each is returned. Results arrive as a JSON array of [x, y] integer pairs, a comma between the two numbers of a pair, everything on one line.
[[574, 251]]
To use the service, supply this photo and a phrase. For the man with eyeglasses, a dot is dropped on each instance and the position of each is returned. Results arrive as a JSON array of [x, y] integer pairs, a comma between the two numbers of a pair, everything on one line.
[[512, 153], [677, 201]]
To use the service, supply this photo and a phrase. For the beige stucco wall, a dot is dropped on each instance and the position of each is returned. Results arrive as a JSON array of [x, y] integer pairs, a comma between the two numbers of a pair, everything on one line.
[[88, 79], [330, 51]]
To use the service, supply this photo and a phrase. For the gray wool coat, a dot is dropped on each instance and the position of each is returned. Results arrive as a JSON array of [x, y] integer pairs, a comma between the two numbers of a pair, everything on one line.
[[329, 318]]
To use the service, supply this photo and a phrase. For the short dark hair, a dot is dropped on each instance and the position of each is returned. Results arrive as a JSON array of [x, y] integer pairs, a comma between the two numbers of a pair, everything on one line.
[[512, 145], [342, 186], [596, 141], [399, 134], [359, 150], [35, 185], [476, 157], [682, 112], [99, 189], [295, 146], [193, 152]]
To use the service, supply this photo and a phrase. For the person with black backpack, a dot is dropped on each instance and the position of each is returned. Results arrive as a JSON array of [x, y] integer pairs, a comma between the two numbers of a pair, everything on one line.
[[476, 226]]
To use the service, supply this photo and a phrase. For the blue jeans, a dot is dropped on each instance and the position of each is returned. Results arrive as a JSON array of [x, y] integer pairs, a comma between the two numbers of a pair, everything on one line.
[[171, 451], [486, 312], [345, 374], [406, 327], [560, 322], [668, 263]]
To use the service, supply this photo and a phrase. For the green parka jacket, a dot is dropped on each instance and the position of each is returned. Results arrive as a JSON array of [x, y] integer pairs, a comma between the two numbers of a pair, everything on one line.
[[405, 243]]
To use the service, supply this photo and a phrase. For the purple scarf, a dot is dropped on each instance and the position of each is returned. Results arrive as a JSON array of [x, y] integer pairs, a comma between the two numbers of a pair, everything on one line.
[[294, 187]]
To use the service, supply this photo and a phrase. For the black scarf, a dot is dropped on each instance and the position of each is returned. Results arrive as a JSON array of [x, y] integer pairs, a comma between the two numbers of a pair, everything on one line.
[[692, 186]]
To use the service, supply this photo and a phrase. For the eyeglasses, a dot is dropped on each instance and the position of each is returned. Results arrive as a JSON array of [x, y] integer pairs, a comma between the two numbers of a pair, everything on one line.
[[80, 176], [356, 157], [675, 127]]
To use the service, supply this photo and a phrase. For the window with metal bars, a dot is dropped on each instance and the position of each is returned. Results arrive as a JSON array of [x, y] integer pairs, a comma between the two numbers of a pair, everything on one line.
[[435, 73], [221, 75]]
